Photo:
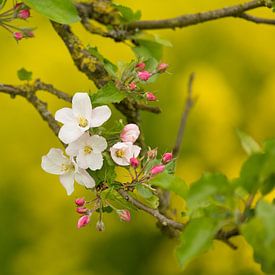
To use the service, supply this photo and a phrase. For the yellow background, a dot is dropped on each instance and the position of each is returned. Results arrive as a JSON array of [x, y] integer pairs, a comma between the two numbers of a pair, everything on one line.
[[234, 62]]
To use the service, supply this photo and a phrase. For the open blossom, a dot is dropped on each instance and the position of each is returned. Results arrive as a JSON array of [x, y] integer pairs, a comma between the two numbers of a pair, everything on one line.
[[83, 221], [130, 133], [122, 152], [88, 151], [144, 75], [55, 162], [81, 117]]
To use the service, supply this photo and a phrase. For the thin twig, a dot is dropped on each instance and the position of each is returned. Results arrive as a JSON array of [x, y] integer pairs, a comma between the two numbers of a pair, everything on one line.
[[187, 108], [257, 20]]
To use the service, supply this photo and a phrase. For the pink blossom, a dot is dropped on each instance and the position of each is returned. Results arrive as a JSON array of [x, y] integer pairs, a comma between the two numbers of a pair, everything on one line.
[[81, 210], [140, 66], [130, 133], [80, 201], [24, 14], [162, 67], [132, 86], [124, 215], [167, 157], [134, 162], [144, 75], [18, 35], [83, 221], [151, 97], [157, 169]]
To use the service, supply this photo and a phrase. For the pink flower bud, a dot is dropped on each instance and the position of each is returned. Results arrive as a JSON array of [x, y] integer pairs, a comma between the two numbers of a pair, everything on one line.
[[162, 67], [144, 75], [151, 97], [83, 221], [140, 66], [124, 215], [28, 34], [100, 226], [134, 162], [18, 35], [132, 86], [81, 210], [130, 133], [167, 157], [157, 169], [24, 14], [80, 201]]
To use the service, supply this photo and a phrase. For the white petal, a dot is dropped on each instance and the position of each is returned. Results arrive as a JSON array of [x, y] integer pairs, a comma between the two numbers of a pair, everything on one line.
[[98, 143], [67, 180], [82, 160], [95, 161], [69, 133], [82, 105], [52, 162], [65, 116], [120, 161], [83, 178], [100, 115], [74, 147], [135, 150]]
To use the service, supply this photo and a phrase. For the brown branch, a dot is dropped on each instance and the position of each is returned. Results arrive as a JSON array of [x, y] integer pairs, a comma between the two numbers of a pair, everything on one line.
[[187, 108], [196, 18], [257, 20]]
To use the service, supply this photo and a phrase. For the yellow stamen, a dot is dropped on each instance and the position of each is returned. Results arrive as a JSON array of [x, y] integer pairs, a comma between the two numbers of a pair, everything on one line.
[[83, 122], [88, 149], [120, 153]]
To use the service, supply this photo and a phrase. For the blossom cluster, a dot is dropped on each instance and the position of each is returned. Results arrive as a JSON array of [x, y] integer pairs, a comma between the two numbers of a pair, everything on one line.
[[19, 11]]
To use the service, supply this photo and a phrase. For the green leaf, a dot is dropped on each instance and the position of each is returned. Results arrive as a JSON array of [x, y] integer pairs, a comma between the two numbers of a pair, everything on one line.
[[196, 239], [128, 15], [23, 74], [260, 234], [144, 191], [209, 189], [171, 183], [249, 145], [108, 94], [61, 11]]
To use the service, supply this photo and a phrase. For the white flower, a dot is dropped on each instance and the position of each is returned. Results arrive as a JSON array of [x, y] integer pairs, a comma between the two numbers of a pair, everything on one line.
[[121, 152], [130, 133], [80, 117], [88, 151], [56, 163]]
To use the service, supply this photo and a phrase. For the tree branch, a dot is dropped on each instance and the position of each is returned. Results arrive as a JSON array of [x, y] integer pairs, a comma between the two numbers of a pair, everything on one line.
[[257, 20], [196, 18]]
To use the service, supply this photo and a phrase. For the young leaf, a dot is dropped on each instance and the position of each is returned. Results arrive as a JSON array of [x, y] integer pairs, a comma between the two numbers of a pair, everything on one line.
[[61, 11], [196, 239], [249, 145], [108, 94], [171, 183], [260, 234], [144, 191], [127, 14], [23, 74]]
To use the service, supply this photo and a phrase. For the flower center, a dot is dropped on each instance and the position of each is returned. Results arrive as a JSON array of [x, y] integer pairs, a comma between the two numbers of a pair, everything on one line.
[[83, 122], [66, 167], [120, 153], [88, 150]]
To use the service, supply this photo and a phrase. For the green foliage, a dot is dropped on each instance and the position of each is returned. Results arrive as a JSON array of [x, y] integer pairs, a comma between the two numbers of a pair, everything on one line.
[[196, 239], [23, 74], [143, 191], [249, 145], [127, 14], [171, 183], [149, 46], [107, 94], [61, 11], [260, 233]]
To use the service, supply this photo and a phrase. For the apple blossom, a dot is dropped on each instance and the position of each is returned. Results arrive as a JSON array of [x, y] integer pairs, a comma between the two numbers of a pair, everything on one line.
[[132, 86], [167, 157], [83, 221], [80, 201], [130, 133], [24, 14], [18, 35], [134, 162], [80, 118], [55, 162], [162, 67], [157, 169], [124, 215], [122, 152], [144, 75], [151, 97], [81, 210], [88, 151], [140, 66]]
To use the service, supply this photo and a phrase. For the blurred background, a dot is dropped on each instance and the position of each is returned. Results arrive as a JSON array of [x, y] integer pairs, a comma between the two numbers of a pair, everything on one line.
[[234, 62]]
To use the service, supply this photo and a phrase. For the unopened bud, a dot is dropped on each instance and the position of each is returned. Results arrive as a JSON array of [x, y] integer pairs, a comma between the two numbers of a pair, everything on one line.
[[83, 221], [140, 66], [162, 67], [144, 75], [24, 14], [157, 169], [100, 226], [18, 35], [81, 210], [151, 97], [124, 215], [80, 201], [132, 86], [167, 157], [134, 162], [152, 154]]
